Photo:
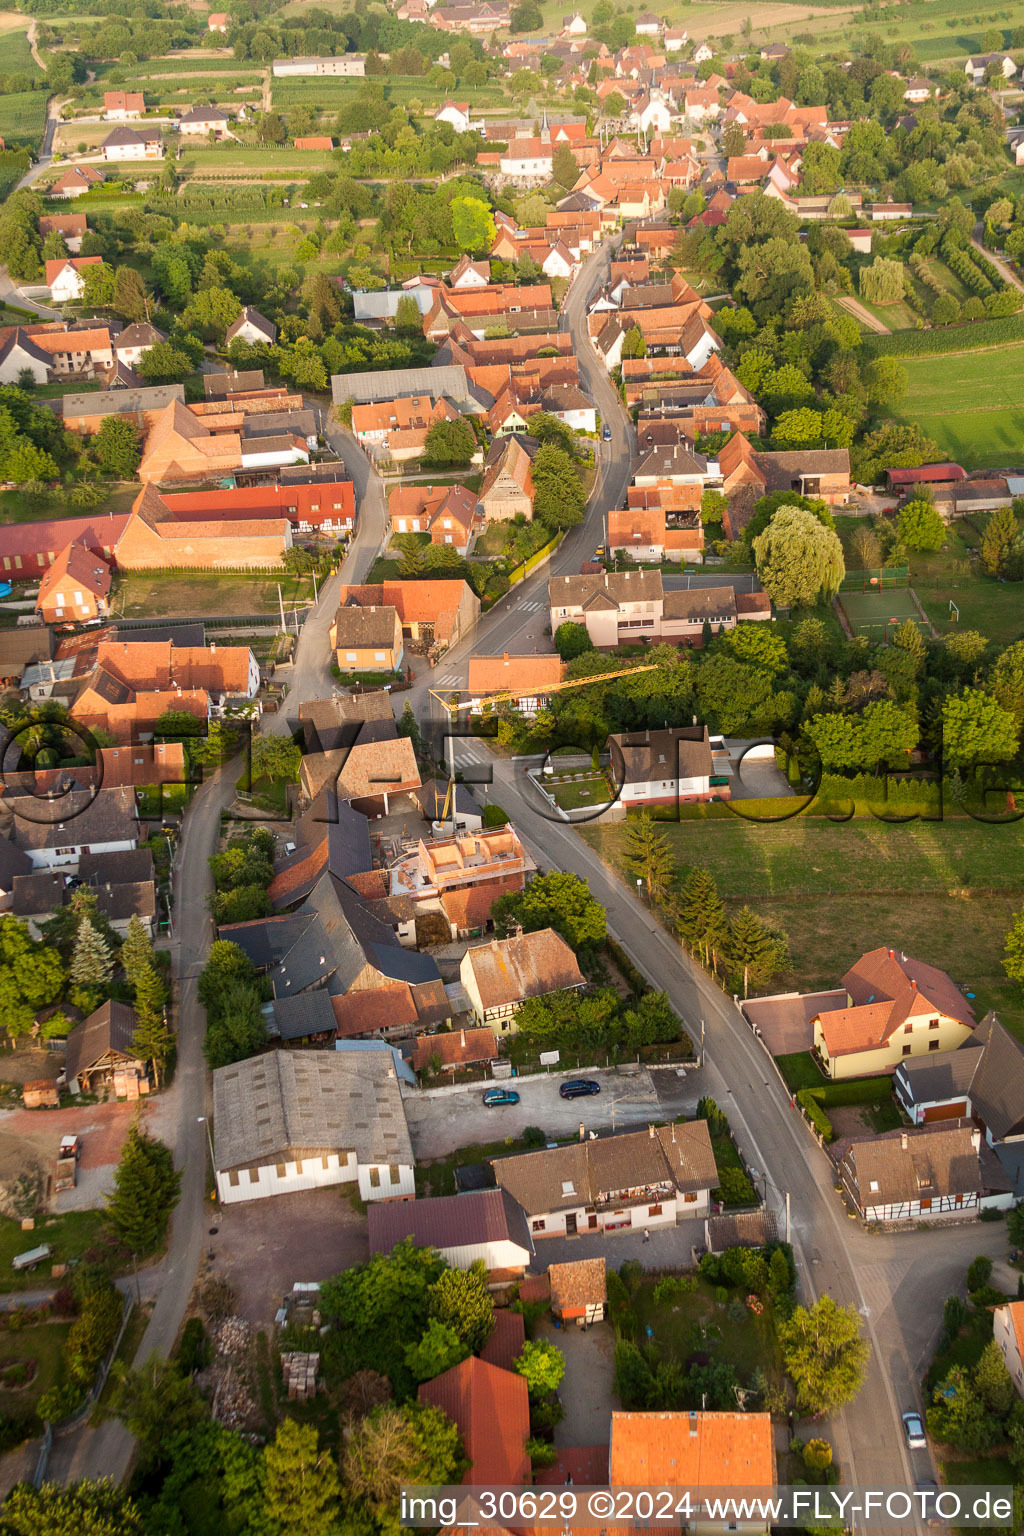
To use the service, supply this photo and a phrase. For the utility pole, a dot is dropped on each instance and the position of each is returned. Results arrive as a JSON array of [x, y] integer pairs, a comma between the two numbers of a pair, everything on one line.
[[787, 1215], [280, 604]]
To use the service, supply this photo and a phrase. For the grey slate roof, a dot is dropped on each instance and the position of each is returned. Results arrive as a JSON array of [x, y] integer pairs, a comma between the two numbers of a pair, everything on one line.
[[110, 1028], [384, 305], [715, 604], [360, 628], [578, 1174], [615, 586], [120, 402], [393, 384], [295, 1102], [643, 756], [14, 863], [296, 1018], [449, 1221], [77, 818]]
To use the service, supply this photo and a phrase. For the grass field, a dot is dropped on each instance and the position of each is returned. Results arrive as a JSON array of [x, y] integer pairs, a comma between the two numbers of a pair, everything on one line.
[[69, 1236], [16, 508], [148, 594], [872, 613], [577, 794], [840, 890], [970, 405]]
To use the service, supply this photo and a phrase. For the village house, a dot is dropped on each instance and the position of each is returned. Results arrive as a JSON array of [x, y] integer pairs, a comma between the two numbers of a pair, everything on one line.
[[123, 106], [315, 141], [367, 638], [457, 114], [252, 327], [366, 773], [133, 684], [696, 1450], [55, 350], [622, 606], [76, 180], [202, 122], [132, 144], [447, 513], [154, 539], [384, 384], [643, 532], [507, 488], [143, 406], [449, 1050], [294, 1120], [524, 682], [70, 226], [668, 767], [217, 21], [83, 821], [491, 1409], [65, 277], [468, 273], [31, 547], [499, 977], [978, 66], [434, 614], [400, 426], [314, 498], [1008, 1332], [486, 1225], [896, 1007], [76, 586], [643, 1179], [927, 1174]]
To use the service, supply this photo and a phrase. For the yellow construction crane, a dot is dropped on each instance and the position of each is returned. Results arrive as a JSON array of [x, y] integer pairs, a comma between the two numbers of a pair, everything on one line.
[[455, 708]]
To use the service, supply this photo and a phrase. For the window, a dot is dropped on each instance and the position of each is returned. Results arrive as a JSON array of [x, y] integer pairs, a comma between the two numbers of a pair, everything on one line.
[[396, 1175], [350, 656], [233, 1178], [380, 655], [325, 1162], [873, 1186], [908, 1029], [907, 1050], [933, 1045], [690, 1199], [254, 1175], [282, 1170], [654, 1210], [537, 1226], [375, 1178], [933, 1023]]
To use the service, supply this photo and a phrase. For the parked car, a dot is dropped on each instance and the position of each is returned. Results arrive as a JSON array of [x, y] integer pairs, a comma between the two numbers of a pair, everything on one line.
[[496, 1098], [913, 1430], [579, 1088]]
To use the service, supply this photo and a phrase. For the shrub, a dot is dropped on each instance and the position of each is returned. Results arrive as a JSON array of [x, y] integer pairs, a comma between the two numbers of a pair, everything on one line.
[[979, 1272], [533, 1136], [810, 1102], [494, 816]]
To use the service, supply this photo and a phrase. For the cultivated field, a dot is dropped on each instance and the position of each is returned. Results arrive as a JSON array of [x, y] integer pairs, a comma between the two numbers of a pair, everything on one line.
[[841, 890]]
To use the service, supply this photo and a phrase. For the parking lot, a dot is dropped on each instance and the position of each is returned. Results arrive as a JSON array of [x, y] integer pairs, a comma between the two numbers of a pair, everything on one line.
[[452, 1119]]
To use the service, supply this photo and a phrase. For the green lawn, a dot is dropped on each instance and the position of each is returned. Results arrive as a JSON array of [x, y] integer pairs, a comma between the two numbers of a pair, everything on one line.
[[985, 604], [577, 793], [840, 890], [151, 595], [970, 405], [68, 1235], [18, 508], [41, 1345]]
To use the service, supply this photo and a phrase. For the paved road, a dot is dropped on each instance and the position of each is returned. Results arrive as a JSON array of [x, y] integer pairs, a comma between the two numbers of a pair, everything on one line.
[[310, 676], [107, 1451]]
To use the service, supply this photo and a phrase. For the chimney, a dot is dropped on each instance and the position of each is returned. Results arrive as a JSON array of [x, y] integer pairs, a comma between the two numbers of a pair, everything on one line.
[[693, 1423], [650, 1131], [462, 1038], [892, 954], [913, 984], [976, 1139], [903, 1141], [505, 659], [583, 1131]]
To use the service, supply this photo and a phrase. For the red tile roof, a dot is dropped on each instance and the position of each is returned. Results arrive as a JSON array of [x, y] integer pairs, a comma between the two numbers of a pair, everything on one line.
[[456, 1047], [713, 1450], [491, 1408], [508, 1336]]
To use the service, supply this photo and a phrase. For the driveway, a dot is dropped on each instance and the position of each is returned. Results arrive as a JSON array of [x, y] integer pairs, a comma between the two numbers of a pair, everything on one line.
[[451, 1120], [586, 1392], [264, 1246], [33, 1135], [668, 1248]]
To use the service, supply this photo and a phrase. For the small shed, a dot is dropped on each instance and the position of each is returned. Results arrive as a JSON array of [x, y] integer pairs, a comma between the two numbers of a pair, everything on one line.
[[41, 1093], [579, 1291], [100, 1054]]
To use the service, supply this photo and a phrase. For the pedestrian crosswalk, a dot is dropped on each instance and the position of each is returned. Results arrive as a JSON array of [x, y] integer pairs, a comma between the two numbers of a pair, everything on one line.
[[533, 606], [447, 679]]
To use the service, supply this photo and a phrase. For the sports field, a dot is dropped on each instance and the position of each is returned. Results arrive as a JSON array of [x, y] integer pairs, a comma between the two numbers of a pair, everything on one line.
[[970, 405], [873, 613]]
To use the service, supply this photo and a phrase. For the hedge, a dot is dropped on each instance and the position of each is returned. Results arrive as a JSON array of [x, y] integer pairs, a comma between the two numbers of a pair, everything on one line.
[[970, 337], [862, 1090], [809, 1102]]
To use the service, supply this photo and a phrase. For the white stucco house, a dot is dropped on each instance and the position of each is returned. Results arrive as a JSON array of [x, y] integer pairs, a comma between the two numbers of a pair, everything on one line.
[[487, 1225], [457, 114], [81, 821], [295, 1120]]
